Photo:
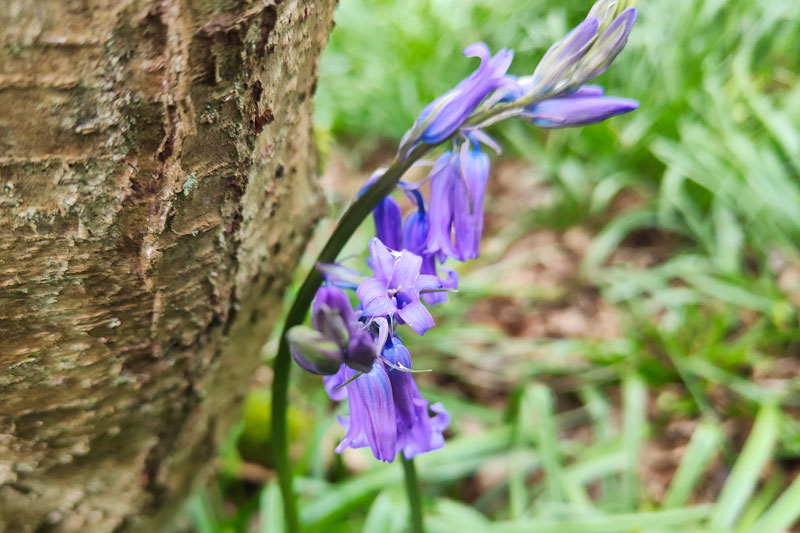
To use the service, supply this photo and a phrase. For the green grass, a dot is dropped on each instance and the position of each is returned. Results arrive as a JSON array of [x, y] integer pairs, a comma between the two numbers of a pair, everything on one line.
[[556, 434]]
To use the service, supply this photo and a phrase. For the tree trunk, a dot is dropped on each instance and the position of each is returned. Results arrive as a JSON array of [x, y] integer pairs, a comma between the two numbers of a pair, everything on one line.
[[157, 185]]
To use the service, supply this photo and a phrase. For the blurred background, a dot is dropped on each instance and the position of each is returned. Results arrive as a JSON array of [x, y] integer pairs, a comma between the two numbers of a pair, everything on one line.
[[625, 354]]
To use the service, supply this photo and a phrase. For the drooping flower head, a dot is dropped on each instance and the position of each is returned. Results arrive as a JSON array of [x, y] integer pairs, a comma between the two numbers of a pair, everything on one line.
[[387, 216], [417, 431], [446, 187], [372, 420], [458, 184], [389, 223], [417, 229], [387, 411]]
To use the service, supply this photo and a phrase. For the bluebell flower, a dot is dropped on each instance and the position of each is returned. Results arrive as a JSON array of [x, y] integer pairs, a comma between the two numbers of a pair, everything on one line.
[[332, 314], [445, 185], [442, 117], [468, 209], [389, 223], [387, 215], [394, 290], [387, 411], [587, 105], [458, 184], [372, 421], [417, 431], [416, 230], [330, 303]]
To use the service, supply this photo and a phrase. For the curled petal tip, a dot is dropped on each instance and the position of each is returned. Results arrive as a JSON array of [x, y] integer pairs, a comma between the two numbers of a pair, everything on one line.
[[442, 117], [478, 49]]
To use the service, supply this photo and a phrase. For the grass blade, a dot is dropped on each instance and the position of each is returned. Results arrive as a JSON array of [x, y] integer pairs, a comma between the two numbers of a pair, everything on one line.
[[744, 476], [539, 402], [270, 512], [783, 514], [201, 513], [759, 503], [457, 459], [599, 408], [702, 446], [634, 400], [674, 518], [386, 513]]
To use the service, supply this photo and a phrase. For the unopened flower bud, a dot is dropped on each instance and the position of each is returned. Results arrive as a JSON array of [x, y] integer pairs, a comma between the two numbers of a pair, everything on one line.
[[608, 10], [336, 301], [607, 46], [329, 322], [313, 351], [577, 110], [389, 223], [340, 275], [585, 52], [552, 72]]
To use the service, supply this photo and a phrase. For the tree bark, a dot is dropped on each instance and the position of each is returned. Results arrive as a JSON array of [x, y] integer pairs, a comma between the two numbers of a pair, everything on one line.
[[157, 185]]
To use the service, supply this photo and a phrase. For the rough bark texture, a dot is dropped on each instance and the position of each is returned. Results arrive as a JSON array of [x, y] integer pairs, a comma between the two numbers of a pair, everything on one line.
[[156, 188]]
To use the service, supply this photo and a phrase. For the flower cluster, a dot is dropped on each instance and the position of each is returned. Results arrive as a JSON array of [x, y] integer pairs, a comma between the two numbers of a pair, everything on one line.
[[359, 350], [364, 360]]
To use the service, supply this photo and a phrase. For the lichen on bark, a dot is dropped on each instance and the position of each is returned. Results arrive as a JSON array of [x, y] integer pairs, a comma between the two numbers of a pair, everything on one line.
[[156, 189]]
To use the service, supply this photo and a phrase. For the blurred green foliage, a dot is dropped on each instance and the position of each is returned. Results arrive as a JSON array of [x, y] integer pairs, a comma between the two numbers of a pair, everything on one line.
[[712, 161]]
